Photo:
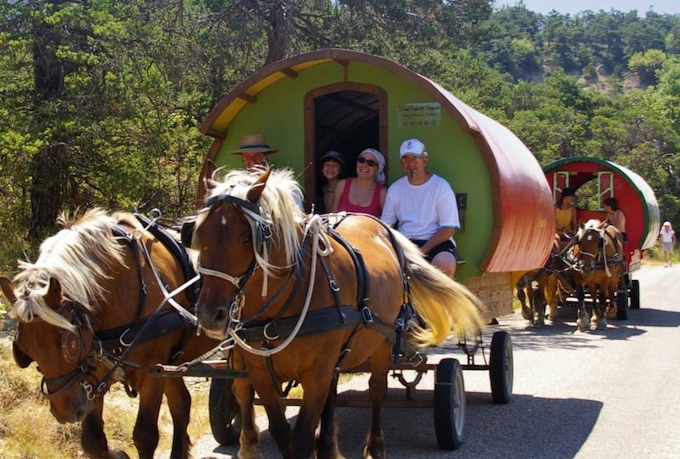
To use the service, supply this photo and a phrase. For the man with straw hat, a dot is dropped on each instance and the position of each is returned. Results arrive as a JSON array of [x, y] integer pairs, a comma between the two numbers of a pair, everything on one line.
[[254, 151]]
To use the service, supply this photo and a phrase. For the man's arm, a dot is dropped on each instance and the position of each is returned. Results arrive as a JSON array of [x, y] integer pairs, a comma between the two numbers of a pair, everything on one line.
[[442, 235], [389, 215]]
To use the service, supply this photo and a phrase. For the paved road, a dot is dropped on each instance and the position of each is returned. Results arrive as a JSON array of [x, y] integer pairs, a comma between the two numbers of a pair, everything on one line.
[[603, 394]]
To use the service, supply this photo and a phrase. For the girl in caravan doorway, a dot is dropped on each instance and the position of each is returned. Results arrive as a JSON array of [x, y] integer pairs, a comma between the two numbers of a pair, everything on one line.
[[332, 163]]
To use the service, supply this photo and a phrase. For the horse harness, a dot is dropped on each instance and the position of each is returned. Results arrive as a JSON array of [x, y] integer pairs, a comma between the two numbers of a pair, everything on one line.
[[111, 346], [333, 318], [600, 260]]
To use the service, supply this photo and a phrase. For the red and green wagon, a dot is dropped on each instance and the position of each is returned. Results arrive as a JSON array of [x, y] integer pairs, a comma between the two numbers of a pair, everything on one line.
[[594, 180]]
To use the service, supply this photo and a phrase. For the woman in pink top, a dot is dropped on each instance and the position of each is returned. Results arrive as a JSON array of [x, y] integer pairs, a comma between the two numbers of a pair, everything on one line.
[[365, 193]]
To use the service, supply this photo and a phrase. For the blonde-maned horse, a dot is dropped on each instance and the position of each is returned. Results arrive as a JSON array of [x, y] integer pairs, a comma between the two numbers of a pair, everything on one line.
[[93, 310], [303, 297], [598, 249]]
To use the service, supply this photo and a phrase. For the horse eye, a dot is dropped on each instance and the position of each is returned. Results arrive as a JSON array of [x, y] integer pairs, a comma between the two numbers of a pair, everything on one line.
[[247, 239]]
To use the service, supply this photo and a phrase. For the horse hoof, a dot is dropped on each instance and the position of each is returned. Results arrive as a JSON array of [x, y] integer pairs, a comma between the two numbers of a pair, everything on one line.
[[583, 326], [527, 313], [249, 453]]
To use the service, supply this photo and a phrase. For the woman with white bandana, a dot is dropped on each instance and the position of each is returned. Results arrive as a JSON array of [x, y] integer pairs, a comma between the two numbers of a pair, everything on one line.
[[366, 192]]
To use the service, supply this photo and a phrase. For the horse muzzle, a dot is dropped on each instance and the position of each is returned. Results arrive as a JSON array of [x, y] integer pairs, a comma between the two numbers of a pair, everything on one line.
[[213, 319]]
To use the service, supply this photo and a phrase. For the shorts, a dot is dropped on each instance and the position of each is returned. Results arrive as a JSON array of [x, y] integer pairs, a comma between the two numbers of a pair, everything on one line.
[[446, 246], [667, 246]]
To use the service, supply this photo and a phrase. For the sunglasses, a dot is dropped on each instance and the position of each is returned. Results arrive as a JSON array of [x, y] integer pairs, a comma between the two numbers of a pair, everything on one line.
[[370, 162]]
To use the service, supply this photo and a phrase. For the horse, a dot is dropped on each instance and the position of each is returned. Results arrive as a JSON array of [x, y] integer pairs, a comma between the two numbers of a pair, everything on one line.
[[535, 295], [93, 310], [549, 279], [598, 249], [288, 320]]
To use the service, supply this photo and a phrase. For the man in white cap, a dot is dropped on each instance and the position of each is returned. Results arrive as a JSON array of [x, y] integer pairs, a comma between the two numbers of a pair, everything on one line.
[[424, 208]]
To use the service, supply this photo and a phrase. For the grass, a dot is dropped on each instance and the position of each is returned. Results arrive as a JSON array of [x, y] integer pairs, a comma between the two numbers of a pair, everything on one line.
[[28, 430]]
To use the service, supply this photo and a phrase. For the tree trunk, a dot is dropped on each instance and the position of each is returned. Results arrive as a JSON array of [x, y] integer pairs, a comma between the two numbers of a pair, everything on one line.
[[48, 164]]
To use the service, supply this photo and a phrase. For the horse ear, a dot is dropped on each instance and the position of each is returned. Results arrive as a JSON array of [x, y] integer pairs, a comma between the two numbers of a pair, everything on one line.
[[8, 289], [210, 170], [258, 187], [53, 295], [22, 359]]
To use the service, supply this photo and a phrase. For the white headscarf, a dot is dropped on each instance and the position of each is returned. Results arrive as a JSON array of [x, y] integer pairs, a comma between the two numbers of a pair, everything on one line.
[[380, 176]]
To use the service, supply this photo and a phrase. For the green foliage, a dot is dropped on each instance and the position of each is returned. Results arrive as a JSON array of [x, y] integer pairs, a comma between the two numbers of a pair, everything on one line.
[[108, 95], [646, 64]]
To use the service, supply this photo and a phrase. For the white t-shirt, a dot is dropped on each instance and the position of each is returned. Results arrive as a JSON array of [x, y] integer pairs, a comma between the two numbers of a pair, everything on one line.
[[667, 236], [421, 210]]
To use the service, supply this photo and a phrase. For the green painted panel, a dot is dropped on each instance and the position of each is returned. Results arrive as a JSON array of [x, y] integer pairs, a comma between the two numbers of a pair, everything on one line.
[[279, 114]]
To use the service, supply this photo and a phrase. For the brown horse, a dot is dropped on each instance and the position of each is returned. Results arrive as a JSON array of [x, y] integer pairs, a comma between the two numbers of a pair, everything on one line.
[[304, 297], [94, 309], [598, 249], [549, 279]]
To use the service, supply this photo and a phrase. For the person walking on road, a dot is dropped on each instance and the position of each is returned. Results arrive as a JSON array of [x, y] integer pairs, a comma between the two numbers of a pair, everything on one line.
[[667, 238]]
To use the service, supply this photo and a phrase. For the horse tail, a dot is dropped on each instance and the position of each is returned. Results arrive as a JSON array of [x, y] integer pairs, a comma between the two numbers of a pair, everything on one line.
[[445, 305]]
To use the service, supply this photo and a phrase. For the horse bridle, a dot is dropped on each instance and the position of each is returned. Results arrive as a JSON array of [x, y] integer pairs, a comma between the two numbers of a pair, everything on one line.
[[260, 227], [602, 249], [73, 346]]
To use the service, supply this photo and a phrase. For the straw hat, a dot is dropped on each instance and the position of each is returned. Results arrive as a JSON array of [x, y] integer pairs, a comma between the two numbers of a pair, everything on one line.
[[254, 143]]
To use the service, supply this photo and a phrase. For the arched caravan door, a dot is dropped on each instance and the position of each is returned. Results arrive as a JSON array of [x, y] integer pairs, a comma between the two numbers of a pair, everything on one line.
[[346, 117]]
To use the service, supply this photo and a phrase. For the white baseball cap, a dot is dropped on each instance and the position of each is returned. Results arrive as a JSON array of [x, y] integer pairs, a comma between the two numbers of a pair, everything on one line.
[[412, 147]]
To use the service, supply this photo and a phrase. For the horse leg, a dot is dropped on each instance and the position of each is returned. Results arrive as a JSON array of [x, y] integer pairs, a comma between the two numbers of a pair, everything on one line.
[[279, 428], [145, 432], [539, 306], [92, 436], [250, 435], [550, 293], [327, 443], [179, 403], [539, 298], [582, 321], [317, 398], [611, 298], [377, 391], [599, 308], [522, 297]]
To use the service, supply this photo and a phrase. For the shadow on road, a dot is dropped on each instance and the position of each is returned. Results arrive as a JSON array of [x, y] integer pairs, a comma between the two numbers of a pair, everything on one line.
[[540, 428]]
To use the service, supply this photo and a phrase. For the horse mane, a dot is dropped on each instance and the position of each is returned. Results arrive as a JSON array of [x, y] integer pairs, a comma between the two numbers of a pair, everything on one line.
[[77, 256], [277, 204], [592, 224]]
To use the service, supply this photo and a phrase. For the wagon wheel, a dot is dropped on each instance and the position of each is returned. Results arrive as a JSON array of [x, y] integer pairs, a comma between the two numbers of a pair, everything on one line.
[[225, 414], [622, 304], [635, 294], [449, 404], [501, 367]]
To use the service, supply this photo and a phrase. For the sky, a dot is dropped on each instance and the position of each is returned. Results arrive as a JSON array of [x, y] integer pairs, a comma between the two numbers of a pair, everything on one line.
[[577, 6]]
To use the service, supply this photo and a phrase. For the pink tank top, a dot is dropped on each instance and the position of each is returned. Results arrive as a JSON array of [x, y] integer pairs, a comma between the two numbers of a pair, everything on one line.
[[373, 208]]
